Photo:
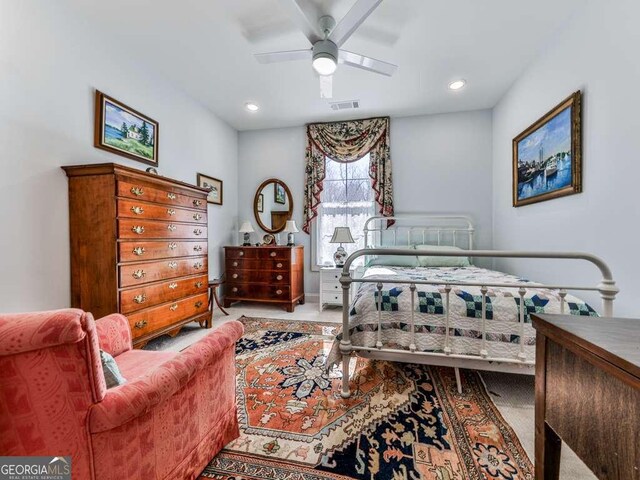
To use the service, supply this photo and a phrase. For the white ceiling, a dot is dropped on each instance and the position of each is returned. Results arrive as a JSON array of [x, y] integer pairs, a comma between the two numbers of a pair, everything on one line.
[[206, 47]]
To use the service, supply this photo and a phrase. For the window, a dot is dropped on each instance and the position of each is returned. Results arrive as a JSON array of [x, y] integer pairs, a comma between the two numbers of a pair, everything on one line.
[[347, 200]]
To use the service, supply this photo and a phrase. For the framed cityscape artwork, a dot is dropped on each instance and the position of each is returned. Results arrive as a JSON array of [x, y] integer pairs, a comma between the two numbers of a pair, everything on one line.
[[547, 156]]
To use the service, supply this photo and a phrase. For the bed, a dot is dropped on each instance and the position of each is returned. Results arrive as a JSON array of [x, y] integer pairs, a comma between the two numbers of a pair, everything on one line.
[[422, 298]]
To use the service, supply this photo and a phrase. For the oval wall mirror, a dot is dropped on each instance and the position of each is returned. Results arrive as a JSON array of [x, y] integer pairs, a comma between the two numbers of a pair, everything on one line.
[[273, 205]]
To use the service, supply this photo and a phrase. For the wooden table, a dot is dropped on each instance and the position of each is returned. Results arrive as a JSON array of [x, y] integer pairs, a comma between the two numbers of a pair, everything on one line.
[[213, 296], [588, 394]]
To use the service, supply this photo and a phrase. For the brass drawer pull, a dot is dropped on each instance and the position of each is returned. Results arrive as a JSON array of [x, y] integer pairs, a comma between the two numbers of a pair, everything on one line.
[[273, 254], [235, 264], [235, 275], [173, 264], [138, 274], [141, 324], [171, 212], [173, 286], [198, 284], [279, 277], [171, 196], [139, 251], [137, 191], [278, 292], [172, 228], [197, 203], [173, 246], [173, 307], [140, 298], [137, 229], [234, 289], [279, 265], [241, 254], [197, 216], [197, 231], [198, 304], [197, 265], [197, 248], [137, 210]]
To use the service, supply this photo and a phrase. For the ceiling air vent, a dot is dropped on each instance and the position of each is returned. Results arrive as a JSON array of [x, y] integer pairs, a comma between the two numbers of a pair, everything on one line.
[[345, 105]]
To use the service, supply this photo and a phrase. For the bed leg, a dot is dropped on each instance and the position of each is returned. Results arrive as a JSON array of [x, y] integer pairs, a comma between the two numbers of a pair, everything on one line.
[[458, 381], [345, 393]]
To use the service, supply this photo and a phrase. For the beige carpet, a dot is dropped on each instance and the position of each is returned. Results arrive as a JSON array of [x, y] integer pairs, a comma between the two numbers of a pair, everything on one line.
[[512, 394], [514, 397]]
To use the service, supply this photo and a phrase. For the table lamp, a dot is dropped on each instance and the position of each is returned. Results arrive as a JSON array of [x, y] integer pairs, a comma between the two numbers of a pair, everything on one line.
[[247, 229], [290, 228], [341, 235]]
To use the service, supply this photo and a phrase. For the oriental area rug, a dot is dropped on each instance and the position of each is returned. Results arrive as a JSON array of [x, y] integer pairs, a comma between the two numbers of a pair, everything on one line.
[[402, 422]]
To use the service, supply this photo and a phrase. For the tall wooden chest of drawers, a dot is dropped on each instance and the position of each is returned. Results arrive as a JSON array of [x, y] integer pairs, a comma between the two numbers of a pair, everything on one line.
[[269, 274], [138, 247]]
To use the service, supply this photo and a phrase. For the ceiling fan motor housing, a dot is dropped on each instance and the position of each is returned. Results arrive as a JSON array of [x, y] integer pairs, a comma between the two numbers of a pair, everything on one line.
[[325, 49]]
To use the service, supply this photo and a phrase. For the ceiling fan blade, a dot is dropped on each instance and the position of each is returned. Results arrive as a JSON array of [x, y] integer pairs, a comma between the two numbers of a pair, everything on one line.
[[367, 63], [288, 56], [352, 20], [305, 17], [326, 86]]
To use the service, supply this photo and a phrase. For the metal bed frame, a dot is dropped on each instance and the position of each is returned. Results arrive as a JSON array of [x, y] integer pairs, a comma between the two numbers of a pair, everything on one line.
[[456, 229]]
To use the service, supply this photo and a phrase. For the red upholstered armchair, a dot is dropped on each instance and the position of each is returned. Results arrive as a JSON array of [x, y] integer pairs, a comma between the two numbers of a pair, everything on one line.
[[176, 411]]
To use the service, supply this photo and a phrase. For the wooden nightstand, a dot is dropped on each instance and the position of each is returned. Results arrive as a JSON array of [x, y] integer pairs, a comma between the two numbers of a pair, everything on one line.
[[331, 288]]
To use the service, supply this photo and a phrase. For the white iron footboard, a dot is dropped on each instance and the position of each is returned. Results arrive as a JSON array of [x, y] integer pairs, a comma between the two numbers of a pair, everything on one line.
[[607, 289]]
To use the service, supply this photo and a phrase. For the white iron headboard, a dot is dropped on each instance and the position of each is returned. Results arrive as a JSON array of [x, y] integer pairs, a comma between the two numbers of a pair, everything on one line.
[[409, 229]]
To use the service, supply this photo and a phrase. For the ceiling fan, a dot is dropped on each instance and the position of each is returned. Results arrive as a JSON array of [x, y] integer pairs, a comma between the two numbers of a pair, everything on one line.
[[326, 38]]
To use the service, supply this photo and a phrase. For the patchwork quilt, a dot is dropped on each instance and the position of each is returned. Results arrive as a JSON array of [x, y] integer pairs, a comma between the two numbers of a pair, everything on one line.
[[465, 312]]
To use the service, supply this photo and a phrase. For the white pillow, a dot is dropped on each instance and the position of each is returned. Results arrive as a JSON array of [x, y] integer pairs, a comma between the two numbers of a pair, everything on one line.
[[395, 260], [426, 261]]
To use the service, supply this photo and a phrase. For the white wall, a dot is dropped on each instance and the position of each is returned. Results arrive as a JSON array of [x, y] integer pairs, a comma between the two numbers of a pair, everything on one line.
[[597, 53], [441, 164], [50, 63], [276, 153]]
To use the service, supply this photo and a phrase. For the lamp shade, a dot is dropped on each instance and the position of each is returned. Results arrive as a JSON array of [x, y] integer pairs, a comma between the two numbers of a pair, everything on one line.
[[342, 235], [291, 227], [246, 228]]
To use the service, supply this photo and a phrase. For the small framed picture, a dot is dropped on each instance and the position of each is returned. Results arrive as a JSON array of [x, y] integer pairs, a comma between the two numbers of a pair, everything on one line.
[[279, 194], [260, 203], [122, 130], [214, 186]]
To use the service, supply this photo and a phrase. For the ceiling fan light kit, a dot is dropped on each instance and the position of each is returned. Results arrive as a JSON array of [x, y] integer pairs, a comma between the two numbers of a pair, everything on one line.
[[325, 57], [326, 39]]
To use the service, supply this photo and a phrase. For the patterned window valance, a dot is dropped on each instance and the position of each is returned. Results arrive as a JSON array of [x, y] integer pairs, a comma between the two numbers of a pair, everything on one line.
[[347, 142]]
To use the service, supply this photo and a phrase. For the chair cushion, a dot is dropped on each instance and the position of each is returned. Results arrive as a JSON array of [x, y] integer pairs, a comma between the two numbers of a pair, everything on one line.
[[112, 375], [135, 363]]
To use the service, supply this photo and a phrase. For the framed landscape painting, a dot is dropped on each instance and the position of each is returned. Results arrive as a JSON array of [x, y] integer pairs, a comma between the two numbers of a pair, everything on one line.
[[122, 130], [279, 194], [214, 186], [547, 156]]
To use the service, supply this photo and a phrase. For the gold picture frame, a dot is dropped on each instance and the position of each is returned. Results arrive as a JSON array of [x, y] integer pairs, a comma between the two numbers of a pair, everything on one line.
[[124, 131], [547, 156]]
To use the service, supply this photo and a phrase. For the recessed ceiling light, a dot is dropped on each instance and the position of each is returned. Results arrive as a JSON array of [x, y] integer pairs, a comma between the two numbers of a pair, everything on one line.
[[457, 85], [252, 107]]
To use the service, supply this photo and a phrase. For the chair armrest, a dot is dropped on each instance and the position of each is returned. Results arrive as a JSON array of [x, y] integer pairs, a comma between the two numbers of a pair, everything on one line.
[[24, 332], [114, 334], [126, 402]]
